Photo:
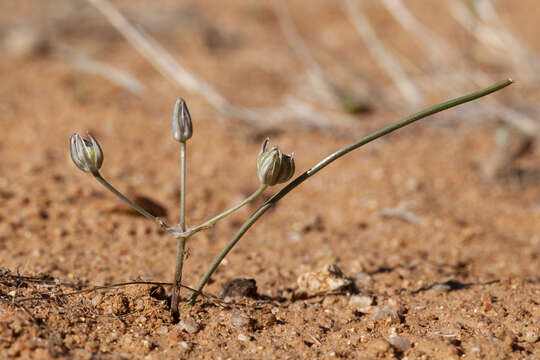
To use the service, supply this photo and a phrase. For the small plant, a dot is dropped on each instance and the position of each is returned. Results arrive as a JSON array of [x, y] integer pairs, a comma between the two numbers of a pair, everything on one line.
[[273, 167]]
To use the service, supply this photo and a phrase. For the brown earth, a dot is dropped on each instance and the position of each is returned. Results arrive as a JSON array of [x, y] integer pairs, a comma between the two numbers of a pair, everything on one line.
[[460, 278]]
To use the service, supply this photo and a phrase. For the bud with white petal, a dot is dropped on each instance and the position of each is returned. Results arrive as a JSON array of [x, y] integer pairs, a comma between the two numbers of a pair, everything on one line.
[[87, 155], [274, 167], [181, 121]]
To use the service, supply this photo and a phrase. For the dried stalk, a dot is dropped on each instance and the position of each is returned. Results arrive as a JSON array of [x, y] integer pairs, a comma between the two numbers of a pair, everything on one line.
[[382, 55], [315, 72], [117, 76]]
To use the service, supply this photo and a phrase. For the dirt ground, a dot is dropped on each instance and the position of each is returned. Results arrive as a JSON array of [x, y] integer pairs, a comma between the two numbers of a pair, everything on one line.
[[454, 273]]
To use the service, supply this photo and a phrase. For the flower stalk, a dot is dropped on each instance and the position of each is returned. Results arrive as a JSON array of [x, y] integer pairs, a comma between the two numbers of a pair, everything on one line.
[[182, 131], [136, 207]]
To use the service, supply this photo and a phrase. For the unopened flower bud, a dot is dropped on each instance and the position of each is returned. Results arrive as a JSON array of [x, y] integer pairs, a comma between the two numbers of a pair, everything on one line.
[[181, 121], [274, 167], [87, 155]]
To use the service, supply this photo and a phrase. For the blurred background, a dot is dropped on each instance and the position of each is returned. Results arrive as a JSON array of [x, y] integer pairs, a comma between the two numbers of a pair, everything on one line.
[[439, 221], [332, 66]]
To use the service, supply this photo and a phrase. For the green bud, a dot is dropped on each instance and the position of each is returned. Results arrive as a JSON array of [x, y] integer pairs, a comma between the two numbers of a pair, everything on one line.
[[181, 121], [87, 155], [274, 167]]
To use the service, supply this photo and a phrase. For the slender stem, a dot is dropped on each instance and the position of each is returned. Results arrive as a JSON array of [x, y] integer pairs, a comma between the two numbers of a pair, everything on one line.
[[181, 240], [182, 223], [175, 298], [143, 212], [216, 218], [334, 156]]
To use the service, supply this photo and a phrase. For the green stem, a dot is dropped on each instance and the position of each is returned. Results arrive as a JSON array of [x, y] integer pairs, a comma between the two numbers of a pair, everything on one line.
[[182, 223], [181, 240], [143, 212], [216, 218], [332, 157]]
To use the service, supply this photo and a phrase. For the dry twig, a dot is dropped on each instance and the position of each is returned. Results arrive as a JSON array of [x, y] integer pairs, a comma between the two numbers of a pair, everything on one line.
[[119, 77], [381, 54], [315, 72]]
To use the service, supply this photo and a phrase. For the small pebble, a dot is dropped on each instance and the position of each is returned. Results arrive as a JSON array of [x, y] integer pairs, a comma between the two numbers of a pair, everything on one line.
[[162, 330], [188, 325], [240, 288], [237, 320], [531, 336], [401, 343], [380, 313], [119, 305], [362, 279], [386, 314], [378, 346], [185, 345], [242, 337], [329, 278], [441, 287], [96, 300], [361, 300]]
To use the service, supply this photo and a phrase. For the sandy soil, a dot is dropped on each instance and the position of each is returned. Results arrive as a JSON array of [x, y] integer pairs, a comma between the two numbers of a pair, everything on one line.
[[458, 278]]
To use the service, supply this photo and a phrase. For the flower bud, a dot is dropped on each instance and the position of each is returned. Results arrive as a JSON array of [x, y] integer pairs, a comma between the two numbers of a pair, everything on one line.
[[274, 167], [87, 155], [181, 121]]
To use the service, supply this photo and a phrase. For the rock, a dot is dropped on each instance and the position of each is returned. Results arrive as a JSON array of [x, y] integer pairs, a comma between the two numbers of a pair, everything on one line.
[[119, 305], [188, 325], [378, 346], [329, 278], [531, 336], [361, 279], [441, 287], [158, 292], [237, 320], [185, 345], [240, 288], [361, 301], [401, 343], [162, 330], [385, 314], [96, 300], [242, 337]]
